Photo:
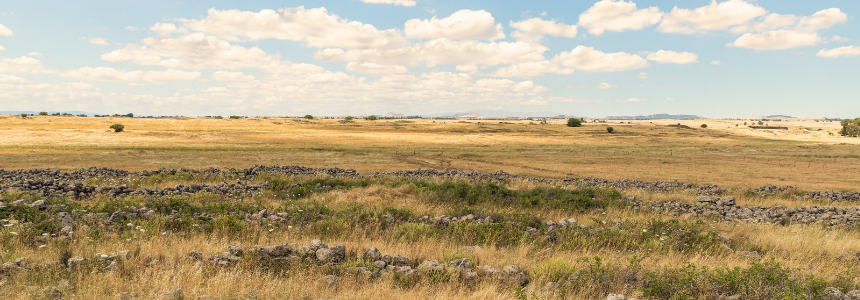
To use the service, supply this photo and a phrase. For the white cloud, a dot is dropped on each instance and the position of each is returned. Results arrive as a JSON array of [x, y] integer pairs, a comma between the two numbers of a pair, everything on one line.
[[193, 51], [165, 29], [588, 59], [846, 51], [394, 2], [130, 77], [131, 28], [617, 15], [820, 20], [715, 16], [535, 29], [232, 76], [671, 99], [37, 54], [98, 41], [464, 24], [22, 64], [600, 86], [777, 40], [570, 100], [2, 48], [716, 63], [633, 100], [664, 57], [373, 68], [12, 79], [531, 69], [315, 27], [642, 75], [5, 31], [443, 52]]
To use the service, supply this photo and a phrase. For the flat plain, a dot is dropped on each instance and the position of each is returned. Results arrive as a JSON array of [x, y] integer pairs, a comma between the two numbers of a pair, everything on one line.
[[542, 229]]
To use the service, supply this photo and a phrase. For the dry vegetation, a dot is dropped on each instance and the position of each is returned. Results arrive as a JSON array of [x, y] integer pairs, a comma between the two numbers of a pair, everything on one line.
[[619, 249]]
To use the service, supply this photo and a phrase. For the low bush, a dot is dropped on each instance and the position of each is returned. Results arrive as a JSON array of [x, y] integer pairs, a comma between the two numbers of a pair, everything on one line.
[[117, 127]]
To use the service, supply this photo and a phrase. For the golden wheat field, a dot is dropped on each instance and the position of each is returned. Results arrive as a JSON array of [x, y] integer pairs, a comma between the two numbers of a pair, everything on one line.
[[187, 232]]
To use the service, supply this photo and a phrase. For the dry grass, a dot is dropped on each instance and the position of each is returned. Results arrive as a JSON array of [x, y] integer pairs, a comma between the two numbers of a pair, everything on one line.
[[642, 150]]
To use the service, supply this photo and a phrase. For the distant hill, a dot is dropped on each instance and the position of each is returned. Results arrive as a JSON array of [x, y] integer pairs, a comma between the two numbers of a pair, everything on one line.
[[656, 117]]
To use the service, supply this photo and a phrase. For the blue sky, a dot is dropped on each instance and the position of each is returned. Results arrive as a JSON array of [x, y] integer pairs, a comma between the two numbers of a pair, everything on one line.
[[727, 58]]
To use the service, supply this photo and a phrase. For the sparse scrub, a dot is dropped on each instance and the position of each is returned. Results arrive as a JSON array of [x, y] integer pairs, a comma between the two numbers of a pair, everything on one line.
[[117, 127]]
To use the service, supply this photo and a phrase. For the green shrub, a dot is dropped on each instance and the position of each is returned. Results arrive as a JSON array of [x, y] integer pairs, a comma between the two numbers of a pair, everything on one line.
[[574, 122], [43, 113], [704, 126], [348, 118], [610, 129], [23, 115], [234, 117], [371, 118], [309, 117], [117, 127], [850, 128]]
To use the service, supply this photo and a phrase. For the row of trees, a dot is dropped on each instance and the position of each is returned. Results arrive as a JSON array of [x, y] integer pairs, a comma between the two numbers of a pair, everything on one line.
[[851, 127]]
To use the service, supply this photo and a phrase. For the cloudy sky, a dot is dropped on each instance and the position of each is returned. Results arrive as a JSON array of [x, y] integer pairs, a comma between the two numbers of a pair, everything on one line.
[[726, 58]]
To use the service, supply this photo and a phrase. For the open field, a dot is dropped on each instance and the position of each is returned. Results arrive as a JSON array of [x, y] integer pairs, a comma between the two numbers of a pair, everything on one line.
[[543, 230], [721, 154]]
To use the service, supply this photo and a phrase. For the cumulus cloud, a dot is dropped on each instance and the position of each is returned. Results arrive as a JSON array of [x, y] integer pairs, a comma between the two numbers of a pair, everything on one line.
[[315, 27], [846, 51], [2, 48], [37, 54], [373, 68], [12, 79], [443, 52], [193, 51], [98, 41], [463, 24], [777, 40], [5, 31], [588, 59], [715, 16], [22, 64], [531, 69], [130, 77], [618, 15], [716, 63], [394, 2], [822, 19], [666, 57], [642, 75], [535, 29]]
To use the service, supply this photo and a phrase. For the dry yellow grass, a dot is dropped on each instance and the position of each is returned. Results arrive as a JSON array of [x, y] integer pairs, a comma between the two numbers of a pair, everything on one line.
[[642, 150]]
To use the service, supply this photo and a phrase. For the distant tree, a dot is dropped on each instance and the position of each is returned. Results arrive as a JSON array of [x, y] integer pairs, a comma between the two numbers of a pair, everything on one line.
[[117, 127], [23, 115], [43, 113], [309, 117], [610, 129], [574, 122], [704, 126], [371, 118], [130, 115], [234, 117], [760, 123], [850, 127], [348, 118]]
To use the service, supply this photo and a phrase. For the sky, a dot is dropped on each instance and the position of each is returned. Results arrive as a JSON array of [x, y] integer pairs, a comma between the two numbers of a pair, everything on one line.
[[718, 59]]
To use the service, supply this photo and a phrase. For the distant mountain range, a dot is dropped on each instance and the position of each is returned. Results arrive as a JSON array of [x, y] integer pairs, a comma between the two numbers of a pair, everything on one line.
[[656, 117]]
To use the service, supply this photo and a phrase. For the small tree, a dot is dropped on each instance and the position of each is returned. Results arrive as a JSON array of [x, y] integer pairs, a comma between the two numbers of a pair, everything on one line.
[[309, 117], [23, 115], [371, 118], [43, 113], [610, 129], [760, 123], [117, 127], [574, 122], [234, 117], [704, 126], [850, 128], [348, 118]]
